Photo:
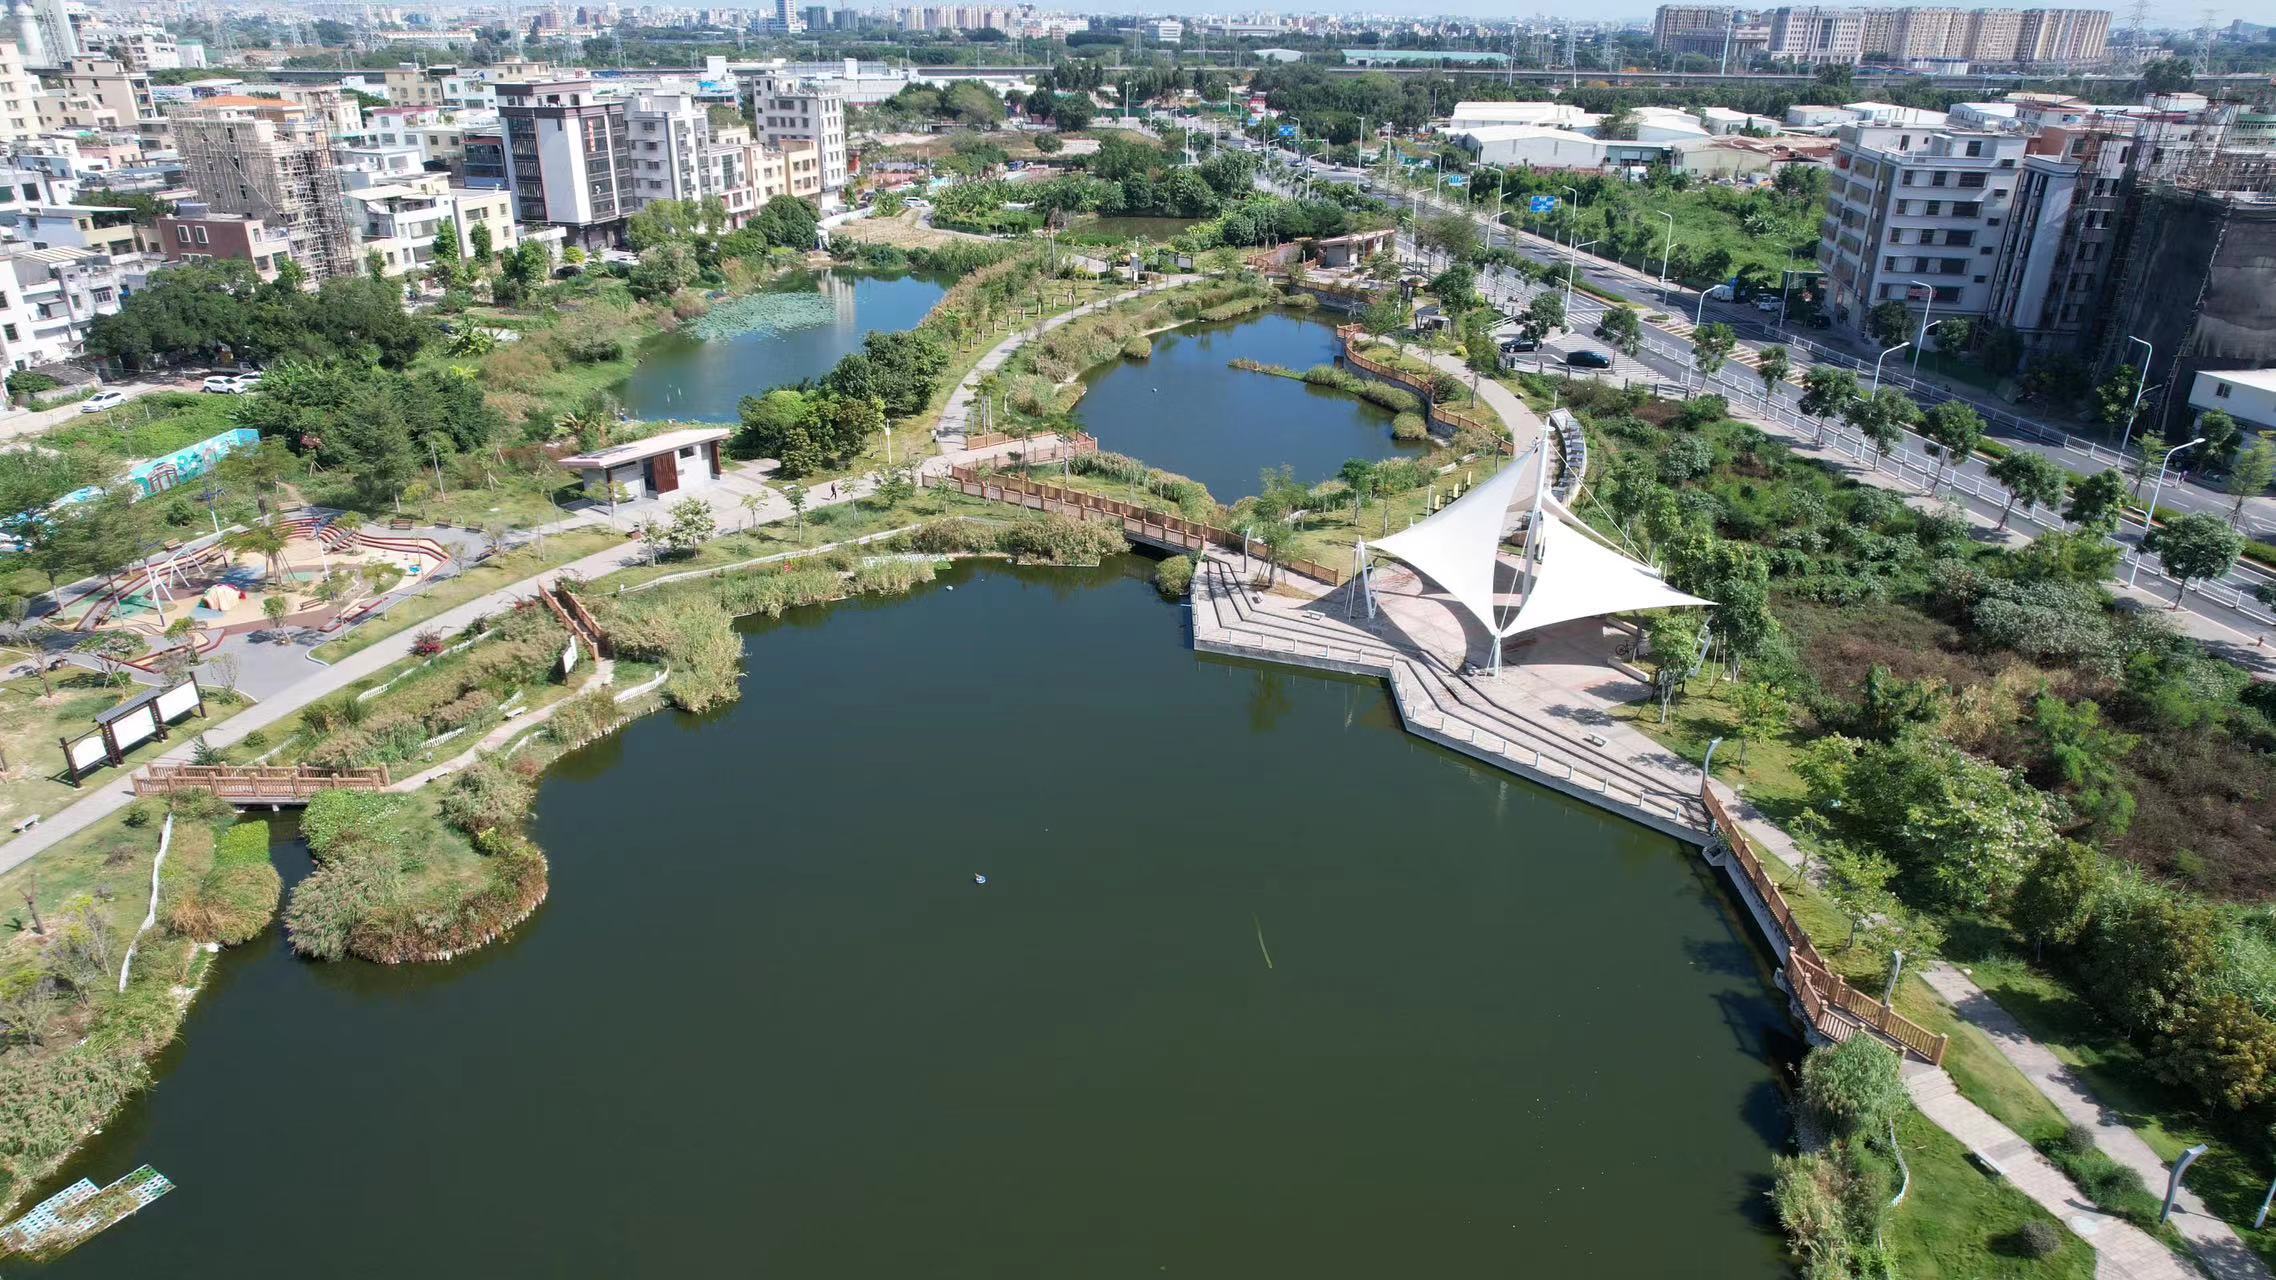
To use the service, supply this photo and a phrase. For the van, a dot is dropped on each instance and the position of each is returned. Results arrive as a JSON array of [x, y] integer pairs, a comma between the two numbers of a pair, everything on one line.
[[1721, 293]]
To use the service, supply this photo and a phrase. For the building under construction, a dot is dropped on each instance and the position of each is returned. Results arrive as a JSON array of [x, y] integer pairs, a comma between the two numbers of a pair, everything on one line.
[[2195, 277], [271, 159]]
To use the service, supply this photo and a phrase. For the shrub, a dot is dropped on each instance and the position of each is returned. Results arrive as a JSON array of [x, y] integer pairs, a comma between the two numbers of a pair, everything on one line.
[[1140, 347], [1853, 1087], [2077, 1140], [1057, 539], [2037, 1239], [891, 577], [1174, 577], [485, 796], [224, 891], [427, 643]]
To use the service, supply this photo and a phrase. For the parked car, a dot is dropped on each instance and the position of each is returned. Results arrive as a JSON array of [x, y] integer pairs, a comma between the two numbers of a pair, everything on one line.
[[250, 380], [220, 384], [1769, 304], [1585, 359], [1519, 344], [1721, 293], [102, 400]]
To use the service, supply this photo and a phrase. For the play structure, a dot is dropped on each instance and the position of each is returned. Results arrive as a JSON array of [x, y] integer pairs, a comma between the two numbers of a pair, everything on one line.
[[221, 590]]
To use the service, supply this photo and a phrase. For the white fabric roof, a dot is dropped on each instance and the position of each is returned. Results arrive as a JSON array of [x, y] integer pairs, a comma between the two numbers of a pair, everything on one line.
[[1459, 546], [1582, 577]]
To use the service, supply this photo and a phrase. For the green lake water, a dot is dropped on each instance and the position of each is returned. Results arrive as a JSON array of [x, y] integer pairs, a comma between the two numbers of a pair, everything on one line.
[[769, 1025], [1185, 410], [690, 380]]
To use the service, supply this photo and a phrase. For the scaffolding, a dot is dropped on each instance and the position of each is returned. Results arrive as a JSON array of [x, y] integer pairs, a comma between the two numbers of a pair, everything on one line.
[[271, 159]]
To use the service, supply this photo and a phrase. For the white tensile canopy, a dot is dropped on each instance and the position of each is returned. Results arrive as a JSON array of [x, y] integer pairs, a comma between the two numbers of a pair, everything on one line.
[[1457, 547], [1572, 570]]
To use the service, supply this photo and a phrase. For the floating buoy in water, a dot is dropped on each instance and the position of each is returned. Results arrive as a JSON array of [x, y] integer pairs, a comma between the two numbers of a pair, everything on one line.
[[952, 588], [977, 878]]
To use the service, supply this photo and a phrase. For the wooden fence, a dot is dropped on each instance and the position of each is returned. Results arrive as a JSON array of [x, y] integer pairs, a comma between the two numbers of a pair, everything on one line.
[[256, 784], [1834, 1007], [1143, 523], [1349, 336]]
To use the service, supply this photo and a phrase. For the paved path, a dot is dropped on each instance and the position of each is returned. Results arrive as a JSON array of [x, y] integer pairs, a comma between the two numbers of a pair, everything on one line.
[[2214, 1242], [955, 423], [2122, 1250], [1523, 422], [33, 421]]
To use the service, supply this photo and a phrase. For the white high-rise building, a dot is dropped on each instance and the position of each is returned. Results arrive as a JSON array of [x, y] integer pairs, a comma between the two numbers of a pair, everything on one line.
[[793, 112]]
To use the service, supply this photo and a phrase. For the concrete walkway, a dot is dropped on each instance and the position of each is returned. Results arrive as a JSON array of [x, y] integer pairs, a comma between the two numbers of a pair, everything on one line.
[[1523, 422], [2122, 1251], [2216, 1245], [955, 424]]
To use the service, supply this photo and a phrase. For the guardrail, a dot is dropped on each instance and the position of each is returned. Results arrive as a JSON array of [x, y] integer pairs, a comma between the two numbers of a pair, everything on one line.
[[257, 784], [1347, 335], [1834, 1007], [1144, 523]]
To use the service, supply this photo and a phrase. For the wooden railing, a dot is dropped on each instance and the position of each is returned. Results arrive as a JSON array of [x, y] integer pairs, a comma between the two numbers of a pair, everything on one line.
[[1350, 334], [1828, 1001], [256, 784], [1158, 527]]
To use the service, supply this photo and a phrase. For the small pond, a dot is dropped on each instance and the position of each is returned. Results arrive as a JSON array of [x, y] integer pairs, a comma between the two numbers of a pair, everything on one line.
[[825, 316], [1188, 411]]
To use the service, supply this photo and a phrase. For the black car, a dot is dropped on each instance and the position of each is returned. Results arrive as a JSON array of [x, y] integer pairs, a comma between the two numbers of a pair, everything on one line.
[[1519, 344], [1589, 360]]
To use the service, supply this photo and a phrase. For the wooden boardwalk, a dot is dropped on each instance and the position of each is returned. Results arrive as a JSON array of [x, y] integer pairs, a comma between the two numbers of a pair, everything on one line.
[[256, 784]]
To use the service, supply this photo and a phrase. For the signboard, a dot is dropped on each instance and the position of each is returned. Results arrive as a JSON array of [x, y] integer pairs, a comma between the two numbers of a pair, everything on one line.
[[1288, 131], [1457, 180], [1541, 204], [1918, 293], [134, 728], [178, 701], [128, 725], [87, 754]]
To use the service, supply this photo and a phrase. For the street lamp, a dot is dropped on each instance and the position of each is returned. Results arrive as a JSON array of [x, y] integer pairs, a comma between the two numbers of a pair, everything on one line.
[[1699, 312], [2173, 1184], [2149, 517], [1877, 365], [1920, 343], [2149, 353], [1708, 764], [1665, 250], [1572, 270]]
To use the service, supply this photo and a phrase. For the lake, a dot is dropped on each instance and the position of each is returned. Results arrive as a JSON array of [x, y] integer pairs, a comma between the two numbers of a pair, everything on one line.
[[1186, 410], [1258, 984], [687, 379]]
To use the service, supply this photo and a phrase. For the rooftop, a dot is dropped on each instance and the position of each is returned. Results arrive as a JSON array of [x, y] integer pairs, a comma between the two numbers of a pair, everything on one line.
[[616, 455], [2257, 379]]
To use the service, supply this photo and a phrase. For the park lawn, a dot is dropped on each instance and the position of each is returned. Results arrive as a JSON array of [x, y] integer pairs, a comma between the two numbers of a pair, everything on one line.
[[824, 525], [1703, 712], [31, 728], [147, 426], [109, 860], [499, 571], [1957, 1222]]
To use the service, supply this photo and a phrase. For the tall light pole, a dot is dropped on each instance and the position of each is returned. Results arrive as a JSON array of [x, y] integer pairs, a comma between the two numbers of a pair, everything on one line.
[[2149, 353], [1569, 274], [1877, 365], [2149, 517], [1665, 250], [1921, 341]]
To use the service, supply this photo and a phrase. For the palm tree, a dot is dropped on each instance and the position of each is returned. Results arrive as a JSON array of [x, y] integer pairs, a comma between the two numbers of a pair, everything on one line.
[[751, 504]]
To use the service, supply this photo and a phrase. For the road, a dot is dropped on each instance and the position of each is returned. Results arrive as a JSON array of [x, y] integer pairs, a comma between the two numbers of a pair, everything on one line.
[[31, 422]]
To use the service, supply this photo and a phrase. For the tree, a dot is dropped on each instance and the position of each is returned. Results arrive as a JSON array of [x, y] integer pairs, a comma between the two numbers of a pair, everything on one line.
[[692, 525], [2169, 75], [1452, 234], [1764, 711], [1882, 418], [2080, 754], [1858, 882], [1827, 393], [1711, 344], [1954, 428], [2250, 474], [1620, 329], [2194, 546], [788, 222], [1960, 830], [1854, 1087], [2222, 1048], [2114, 398], [1889, 322], [1772, 368], [1542, 317], [1071, 112], [259, 540], [274, 607], [1386, 315], [2096, 501], [2056, 897], [2149, 457], [2029, 478], [1674, 636], [2222, 437], [795, 494], [446, 256]]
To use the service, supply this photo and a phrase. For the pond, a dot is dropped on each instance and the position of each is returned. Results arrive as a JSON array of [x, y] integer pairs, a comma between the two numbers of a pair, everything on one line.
[[688, 379], [1258, 984], [1188, 411], [1131, 227]]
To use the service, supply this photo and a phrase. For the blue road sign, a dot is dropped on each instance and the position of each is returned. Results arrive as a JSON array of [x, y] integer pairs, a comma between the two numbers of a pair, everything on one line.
[[1542, 204], [1288, 131]]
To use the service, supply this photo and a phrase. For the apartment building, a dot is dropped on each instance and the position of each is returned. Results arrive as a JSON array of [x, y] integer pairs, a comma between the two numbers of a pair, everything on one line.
[[2063, 36], [98, 93], [195, 233], [48, 298], [1821, 34], [401, 222], [19, 96], [2072, 194], [1916, 216], [152, 50], [411, 85], [792, 110], [668, 138], [97, 228], [270, 159], [568, 163]]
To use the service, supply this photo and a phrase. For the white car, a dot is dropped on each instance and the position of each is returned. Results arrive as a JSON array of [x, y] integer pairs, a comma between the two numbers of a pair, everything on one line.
[[1768, 304], [250, 380], [220, 384], [102, 400]]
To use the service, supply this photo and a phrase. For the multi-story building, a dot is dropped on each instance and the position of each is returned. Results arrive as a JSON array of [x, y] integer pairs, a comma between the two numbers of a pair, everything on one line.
[[2072, 194], [815, 17], [148, 50], [48, 298], [19, 96], [400, 223], [792, 110], [1692, 28], [1915, 216], [121, 96], [270, 159], [99, 228], [567, 159], [2063, 36], [667, 136], [1817, 34], [1992, 34], [411, 85], [195, 233], [1165, 31]]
